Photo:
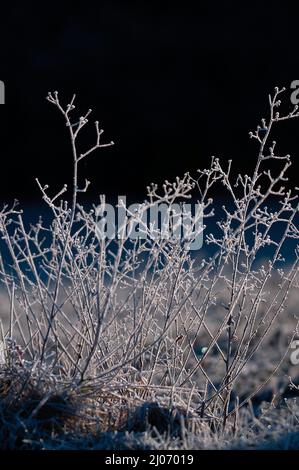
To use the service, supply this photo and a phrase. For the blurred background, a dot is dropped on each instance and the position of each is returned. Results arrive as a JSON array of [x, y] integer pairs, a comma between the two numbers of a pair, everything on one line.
[[170, 84]]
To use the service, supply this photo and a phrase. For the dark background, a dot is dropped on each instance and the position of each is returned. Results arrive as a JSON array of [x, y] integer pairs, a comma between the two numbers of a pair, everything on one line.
[[171, 84]]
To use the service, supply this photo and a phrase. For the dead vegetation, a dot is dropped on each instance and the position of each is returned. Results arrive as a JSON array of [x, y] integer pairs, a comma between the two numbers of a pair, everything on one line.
[[110, 340]]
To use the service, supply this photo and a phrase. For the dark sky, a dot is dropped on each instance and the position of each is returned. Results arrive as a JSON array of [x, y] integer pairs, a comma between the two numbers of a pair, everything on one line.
[[171, 84]]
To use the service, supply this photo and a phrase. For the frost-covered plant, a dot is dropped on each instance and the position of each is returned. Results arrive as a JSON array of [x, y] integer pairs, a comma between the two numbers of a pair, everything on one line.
[[147, 316]]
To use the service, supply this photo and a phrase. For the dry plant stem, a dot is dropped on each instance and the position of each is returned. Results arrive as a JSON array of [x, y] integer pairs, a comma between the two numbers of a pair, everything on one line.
[[255, 177], [76, 190]]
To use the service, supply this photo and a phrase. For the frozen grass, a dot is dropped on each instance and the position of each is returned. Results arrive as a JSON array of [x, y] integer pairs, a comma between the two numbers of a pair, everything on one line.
[[137, 344]]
